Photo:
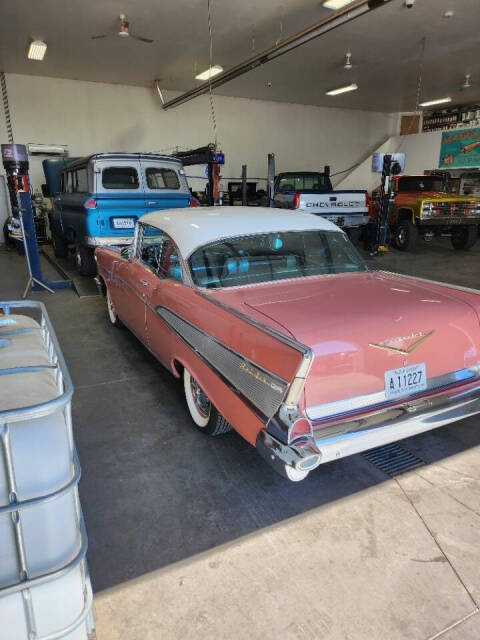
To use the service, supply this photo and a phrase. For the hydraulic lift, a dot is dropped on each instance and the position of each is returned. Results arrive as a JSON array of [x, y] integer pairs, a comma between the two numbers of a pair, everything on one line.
[[385, 204], [213, 159], [15, 162]]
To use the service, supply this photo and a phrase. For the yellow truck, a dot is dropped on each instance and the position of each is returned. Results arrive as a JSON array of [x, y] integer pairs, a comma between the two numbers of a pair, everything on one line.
[[422, 207]]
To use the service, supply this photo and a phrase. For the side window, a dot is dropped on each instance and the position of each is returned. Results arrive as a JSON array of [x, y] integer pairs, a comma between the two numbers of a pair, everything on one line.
[[68, 177], [156, 250], [120, 178], [82, 180], [149, 246], [170, 262], [158, 178]]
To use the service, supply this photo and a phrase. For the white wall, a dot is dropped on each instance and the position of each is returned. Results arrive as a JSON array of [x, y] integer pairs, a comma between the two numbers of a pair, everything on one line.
[[91, 117], [422, 151]]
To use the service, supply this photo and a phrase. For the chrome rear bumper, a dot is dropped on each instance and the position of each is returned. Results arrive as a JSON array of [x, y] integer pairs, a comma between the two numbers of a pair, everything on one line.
[[344, 438]]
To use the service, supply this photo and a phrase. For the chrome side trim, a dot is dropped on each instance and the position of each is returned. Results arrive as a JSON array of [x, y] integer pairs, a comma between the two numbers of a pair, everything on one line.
[[293, 389], [287, 413], [341, 408], [440, 284], [260, 387]]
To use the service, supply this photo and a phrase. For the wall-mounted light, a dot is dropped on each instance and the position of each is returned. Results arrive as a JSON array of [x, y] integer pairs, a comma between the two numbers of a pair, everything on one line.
[[336, 92], [467, 84], [209, 73], [348, 61], [37, 50], [431, 103]]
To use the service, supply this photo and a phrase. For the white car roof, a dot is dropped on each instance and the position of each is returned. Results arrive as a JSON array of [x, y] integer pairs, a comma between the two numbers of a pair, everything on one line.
[[194, 227]]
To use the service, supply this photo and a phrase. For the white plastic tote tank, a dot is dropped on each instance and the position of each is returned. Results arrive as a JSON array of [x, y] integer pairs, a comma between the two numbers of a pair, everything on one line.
[[45, 589]]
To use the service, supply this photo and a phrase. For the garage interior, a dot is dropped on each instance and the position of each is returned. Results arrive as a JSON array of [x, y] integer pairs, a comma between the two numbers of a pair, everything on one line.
[[197, 537]]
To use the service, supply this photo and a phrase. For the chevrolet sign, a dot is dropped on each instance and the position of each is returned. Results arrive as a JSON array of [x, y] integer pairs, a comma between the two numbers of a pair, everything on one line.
[[335, 205]]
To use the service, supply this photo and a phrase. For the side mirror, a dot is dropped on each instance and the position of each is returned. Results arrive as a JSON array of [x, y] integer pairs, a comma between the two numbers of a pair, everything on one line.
[[46, 191], [126, 253]]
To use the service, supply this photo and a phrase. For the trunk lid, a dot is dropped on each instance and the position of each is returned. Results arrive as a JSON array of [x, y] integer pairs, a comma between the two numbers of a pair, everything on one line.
[[342, 317]]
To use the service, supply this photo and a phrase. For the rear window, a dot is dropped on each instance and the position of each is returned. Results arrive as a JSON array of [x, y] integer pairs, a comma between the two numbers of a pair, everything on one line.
[[120, 178], [260, 258], [158, 178], [304, 182]]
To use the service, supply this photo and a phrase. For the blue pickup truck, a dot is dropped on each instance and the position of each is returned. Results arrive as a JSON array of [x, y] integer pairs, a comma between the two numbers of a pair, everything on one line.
[[97, 200]]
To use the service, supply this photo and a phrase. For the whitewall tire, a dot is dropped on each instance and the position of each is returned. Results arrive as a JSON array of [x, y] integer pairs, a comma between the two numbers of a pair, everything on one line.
[[112, 314], [204, 415]]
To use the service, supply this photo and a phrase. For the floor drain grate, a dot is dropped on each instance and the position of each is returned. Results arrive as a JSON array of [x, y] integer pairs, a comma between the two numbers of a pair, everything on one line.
[[393, 459]]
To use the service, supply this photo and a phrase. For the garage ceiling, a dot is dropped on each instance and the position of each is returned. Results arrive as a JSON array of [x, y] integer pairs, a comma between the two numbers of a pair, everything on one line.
[[385, 44]]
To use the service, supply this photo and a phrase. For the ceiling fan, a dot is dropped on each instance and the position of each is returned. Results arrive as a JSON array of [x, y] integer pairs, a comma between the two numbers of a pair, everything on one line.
[[124, 31]]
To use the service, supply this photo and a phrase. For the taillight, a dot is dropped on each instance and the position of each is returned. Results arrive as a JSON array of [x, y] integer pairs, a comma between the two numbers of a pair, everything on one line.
[[193, 202], [367, 200], [296, 201], [91, 203], [301, 427]]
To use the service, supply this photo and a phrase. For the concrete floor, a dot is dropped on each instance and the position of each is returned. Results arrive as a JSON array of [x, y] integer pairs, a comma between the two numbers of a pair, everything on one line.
[[195, 537]]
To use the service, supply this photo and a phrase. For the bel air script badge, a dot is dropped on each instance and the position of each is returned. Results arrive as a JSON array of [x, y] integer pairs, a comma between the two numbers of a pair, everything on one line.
[[403, 345], [258, 375]]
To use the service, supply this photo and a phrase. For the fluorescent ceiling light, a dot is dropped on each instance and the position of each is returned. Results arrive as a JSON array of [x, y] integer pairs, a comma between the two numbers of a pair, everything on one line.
[[336, 4], [209, 73], [36, 50], [335, 92], [430, 103]]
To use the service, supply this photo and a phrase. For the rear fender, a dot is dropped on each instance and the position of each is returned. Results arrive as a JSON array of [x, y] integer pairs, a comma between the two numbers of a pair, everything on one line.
[[253, 375]]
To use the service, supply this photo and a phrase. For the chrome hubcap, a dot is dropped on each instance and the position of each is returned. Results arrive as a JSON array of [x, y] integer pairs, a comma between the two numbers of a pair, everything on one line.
[[111, 310], [401, 236], [202, 403]]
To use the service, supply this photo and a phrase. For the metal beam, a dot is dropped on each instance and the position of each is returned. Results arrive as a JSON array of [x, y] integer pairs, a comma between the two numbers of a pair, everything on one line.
[[337, 19]]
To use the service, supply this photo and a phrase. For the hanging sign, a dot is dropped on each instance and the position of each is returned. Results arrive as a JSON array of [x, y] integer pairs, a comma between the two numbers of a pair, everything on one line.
[[460, 148]]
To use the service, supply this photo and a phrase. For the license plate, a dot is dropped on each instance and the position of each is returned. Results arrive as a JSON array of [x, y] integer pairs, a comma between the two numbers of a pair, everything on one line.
[[123, 223], [405, 381]]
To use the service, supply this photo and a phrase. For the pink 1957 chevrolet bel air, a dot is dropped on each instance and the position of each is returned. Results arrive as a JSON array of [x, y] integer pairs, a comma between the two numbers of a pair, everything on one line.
[[280, 330]]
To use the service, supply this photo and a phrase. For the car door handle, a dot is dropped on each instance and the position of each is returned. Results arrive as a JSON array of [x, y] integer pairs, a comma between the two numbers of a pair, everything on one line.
[[152, 204], [144, 283]]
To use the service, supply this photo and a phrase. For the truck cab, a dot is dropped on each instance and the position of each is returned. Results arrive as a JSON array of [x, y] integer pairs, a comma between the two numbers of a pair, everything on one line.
[[97, 200], [312, 192]]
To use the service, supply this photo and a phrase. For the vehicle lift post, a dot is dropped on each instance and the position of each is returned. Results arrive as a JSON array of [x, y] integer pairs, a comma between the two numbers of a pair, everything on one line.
[[384, 209], [15, 162], [271, 179], [244, 185]]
